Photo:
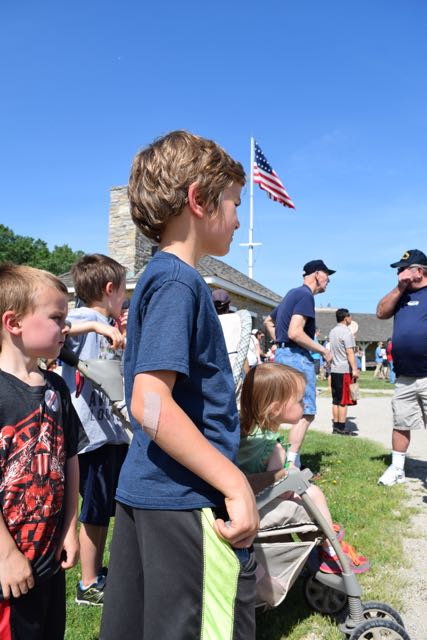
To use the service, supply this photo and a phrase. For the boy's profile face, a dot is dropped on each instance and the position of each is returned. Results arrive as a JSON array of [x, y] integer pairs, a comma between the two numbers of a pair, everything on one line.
[[221, 226], [43, 329]]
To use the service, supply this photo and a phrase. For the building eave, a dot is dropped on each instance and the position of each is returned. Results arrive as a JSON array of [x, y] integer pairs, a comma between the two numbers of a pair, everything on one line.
[[221, 283]]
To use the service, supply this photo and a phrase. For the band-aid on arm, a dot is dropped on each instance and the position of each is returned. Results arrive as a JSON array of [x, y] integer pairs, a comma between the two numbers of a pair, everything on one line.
[[151, 416]]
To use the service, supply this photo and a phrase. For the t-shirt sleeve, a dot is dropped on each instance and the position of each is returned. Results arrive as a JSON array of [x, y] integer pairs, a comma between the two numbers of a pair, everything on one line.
[[70, 420], [167, 329], [348, 340], [273, 314], [255, 450], [304, 306]]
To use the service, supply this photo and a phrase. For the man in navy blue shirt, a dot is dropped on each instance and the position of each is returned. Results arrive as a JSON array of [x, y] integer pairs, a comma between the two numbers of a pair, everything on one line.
[[407, 303], [292, 326]]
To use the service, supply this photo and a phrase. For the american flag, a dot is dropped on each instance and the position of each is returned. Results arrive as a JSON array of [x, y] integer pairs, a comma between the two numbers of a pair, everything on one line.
[[267, 178]]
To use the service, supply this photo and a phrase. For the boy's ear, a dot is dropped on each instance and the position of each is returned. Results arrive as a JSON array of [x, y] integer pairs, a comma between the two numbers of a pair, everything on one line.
[[194, 201], [11, 322], [109, 288]]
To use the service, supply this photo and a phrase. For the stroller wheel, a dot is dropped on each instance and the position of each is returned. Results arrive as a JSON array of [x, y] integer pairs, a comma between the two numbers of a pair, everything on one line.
[[322, 598], [377, 629], [374, 610]]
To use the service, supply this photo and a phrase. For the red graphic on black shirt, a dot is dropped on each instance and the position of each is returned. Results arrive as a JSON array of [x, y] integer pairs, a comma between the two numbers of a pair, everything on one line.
[[32, 459]]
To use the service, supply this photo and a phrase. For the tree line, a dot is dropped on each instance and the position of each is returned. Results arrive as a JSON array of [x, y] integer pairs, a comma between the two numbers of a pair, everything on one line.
[[35, 252]]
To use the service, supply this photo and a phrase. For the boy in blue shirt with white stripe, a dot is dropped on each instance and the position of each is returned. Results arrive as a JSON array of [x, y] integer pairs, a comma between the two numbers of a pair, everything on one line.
[[181, 563]]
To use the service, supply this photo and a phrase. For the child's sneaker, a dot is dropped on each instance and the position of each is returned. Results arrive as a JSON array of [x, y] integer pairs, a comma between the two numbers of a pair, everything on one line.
[[392, 475], [94, 594], [330, 563]]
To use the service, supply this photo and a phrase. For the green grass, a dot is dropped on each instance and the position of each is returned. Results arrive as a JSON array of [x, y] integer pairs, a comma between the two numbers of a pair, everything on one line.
[[366, 381], [375, 519]]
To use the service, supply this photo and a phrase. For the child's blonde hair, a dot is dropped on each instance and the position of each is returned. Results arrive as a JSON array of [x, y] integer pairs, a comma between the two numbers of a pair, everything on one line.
[[264, 385], [19, 286], [91, 274], [162, 173]]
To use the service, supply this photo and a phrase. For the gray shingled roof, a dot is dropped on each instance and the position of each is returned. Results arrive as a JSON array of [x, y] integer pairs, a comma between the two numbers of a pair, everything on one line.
[[210, 267], [67, 279], [371, 329]]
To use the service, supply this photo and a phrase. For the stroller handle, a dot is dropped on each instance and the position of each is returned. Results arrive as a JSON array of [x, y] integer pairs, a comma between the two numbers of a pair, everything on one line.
[[296, 481], [104, 374]]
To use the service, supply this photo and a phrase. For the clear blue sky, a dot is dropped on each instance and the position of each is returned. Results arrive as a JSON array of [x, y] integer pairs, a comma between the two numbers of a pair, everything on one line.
[[334, 92]]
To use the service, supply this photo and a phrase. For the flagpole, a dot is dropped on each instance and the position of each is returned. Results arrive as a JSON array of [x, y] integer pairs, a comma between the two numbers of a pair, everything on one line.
[[251, 212], [251, 244]]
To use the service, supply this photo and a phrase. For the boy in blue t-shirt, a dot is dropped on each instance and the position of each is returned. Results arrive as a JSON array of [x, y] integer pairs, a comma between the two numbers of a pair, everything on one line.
[[181, 563]]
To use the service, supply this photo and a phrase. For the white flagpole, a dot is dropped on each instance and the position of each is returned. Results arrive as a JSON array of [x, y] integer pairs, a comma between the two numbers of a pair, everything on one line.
[[250, 244], [251, 212]]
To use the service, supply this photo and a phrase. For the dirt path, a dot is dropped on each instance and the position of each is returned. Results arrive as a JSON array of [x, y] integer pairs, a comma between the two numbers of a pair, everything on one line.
[[372, 418], [415, 549]]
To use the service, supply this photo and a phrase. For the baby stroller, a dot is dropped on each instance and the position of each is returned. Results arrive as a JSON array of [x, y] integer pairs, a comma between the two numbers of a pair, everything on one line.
[[282, 552]]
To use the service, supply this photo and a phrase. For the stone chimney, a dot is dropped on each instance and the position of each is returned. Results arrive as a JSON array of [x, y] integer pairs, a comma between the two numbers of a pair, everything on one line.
[[125, 243]]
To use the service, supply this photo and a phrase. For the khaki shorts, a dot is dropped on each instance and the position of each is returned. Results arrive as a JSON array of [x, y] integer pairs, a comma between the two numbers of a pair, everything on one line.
[[410, 403]]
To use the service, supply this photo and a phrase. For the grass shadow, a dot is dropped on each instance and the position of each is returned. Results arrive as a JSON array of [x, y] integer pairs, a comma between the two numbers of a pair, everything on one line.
[[416, 469], [278, 623], [314, 461], [350, 425]]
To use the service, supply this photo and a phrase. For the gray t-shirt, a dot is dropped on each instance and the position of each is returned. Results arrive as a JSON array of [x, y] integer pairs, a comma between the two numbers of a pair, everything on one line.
[[340, 339], [100, 425]]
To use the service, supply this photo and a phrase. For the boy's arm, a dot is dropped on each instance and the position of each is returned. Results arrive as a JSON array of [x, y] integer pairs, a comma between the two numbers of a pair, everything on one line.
[[68, 545], [179, 437], [86, 326], [16, 575]]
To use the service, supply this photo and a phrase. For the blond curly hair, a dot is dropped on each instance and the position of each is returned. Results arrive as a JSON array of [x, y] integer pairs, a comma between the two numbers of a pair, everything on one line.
[[162, 173]]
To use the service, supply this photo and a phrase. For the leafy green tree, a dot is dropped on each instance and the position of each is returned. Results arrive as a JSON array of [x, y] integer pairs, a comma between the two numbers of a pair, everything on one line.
[[61, 259], [35, 253]]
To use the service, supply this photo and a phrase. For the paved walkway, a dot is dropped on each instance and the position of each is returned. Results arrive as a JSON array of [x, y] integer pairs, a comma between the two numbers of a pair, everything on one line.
[[372, 418]]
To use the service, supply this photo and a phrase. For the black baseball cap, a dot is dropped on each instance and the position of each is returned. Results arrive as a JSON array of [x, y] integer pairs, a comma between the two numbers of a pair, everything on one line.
[[316, 265], [410, 257]]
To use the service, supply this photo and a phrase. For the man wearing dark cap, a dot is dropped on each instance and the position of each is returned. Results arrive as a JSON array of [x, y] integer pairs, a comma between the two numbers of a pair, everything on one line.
[[407, 304], [221, 300], [292, 326]]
